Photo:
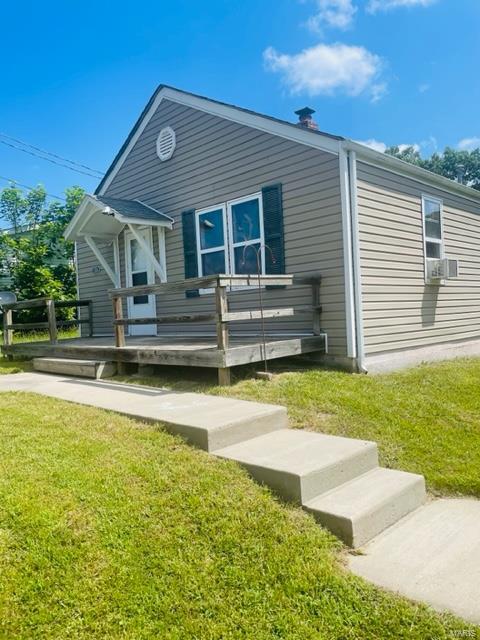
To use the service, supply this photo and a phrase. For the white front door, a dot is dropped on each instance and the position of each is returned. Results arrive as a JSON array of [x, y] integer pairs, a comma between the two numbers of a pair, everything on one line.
[[140, 271]]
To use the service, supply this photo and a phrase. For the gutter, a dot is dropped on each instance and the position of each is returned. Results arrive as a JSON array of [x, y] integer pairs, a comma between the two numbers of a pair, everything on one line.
[[403, 168]]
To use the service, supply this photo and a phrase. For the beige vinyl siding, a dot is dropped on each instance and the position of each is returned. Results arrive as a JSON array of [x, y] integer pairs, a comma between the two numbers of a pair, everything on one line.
[[401, 311], [94, 285], [217, 160]]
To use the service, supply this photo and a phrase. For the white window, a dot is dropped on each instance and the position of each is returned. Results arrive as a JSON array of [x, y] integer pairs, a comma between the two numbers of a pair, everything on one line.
[[432, 210], [230, 237]]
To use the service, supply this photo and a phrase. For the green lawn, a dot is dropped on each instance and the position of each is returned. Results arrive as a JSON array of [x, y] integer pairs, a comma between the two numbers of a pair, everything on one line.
[[425, 420], [114, 529]]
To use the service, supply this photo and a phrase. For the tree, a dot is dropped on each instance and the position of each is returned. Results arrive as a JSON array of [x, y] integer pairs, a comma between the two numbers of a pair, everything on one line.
[[463, 166], [34, 252]]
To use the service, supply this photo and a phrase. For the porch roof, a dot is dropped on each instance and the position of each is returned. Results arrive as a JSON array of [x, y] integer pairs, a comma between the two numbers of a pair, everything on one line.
[[104, 217]]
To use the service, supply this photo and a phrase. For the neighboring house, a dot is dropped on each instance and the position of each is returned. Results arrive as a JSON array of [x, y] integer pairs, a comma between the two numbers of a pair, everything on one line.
[[198, 181]]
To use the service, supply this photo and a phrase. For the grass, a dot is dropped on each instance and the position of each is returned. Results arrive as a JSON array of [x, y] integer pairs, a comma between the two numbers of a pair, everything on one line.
[[113, 529], [425, 420], [41, 336]]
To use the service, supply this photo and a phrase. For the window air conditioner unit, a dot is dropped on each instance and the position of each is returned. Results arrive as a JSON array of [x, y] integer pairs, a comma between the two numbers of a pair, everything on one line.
[[443, 269]]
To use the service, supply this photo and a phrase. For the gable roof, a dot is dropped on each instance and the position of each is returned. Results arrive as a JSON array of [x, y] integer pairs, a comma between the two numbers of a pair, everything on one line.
[[314, 138], [319, 139], [107, 216]]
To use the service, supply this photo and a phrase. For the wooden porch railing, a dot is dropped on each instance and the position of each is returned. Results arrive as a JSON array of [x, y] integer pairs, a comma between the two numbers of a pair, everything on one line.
[[51, 324], [223, 285]]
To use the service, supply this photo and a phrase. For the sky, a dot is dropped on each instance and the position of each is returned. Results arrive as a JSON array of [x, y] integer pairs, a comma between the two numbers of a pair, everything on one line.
[[77, 74]]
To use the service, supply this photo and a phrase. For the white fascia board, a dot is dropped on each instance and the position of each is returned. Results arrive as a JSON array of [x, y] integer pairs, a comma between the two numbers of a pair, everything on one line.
[[72, 228], [141, 221], [234, 114], [406, 169]]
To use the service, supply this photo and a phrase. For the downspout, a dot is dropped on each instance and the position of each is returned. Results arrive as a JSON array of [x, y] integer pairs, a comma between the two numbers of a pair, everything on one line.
[[357, 277], [347, 255]]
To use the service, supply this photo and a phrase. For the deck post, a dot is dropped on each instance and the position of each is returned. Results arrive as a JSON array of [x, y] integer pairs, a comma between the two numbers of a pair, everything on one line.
[[221, 304], [7, 321], [90, 318], [119, 330], [316, 307], [52, 321]]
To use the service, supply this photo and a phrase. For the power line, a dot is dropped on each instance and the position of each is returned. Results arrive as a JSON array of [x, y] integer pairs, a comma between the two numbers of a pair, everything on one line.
[[26, 186], [60, 164], [49, 153], [37, 155]]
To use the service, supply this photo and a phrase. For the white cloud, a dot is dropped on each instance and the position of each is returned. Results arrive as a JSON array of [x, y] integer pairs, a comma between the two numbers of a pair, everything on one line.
[[469, 144], [385, 5], [332, 13], [328, 69], [374, 144], [378, 91], [422, 88], [404, 147]]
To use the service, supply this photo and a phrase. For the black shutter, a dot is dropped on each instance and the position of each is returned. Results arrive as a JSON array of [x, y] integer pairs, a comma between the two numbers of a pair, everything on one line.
[[190, 249], [273, 229]]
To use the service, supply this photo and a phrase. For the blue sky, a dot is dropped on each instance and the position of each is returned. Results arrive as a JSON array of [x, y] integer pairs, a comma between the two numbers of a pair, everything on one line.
[[75, 75]]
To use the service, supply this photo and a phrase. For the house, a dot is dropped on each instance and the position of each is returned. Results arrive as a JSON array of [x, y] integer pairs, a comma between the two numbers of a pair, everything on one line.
[[200, 187]]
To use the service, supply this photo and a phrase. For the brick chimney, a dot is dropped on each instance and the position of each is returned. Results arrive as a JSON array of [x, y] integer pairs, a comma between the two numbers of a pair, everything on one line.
[[305, 118]]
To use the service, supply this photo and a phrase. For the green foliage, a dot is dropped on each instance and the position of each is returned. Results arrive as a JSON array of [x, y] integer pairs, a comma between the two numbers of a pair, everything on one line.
[[451, 163], [34, 253]]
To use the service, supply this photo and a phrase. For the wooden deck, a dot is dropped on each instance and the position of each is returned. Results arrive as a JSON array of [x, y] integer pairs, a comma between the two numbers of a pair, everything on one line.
[[222, 351], [189, 352]]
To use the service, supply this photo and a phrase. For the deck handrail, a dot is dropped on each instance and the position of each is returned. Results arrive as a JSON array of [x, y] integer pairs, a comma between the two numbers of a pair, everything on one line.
[[210, 282], [222, 284], [52, 324]]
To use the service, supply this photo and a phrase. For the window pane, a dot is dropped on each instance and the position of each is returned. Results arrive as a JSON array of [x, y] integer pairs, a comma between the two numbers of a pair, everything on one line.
[[138, 279], [139, 259], [213, 263], [246, 221], [433, 227], [433, 250], [211, 229], [246, 259]]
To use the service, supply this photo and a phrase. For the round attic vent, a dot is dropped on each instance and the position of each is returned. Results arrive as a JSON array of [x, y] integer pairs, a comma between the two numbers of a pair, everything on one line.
[[166, 143]]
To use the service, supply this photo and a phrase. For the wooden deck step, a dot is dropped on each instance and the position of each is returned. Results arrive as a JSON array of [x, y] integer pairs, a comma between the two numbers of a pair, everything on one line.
[[72, 367]]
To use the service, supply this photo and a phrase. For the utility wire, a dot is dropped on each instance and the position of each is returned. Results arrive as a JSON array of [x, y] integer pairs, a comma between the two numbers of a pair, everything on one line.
[[37, 155], [49, 153], [26, 186]]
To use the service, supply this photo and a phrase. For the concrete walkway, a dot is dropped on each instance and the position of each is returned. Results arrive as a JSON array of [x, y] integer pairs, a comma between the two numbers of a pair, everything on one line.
[[432, 554], [209, 422]]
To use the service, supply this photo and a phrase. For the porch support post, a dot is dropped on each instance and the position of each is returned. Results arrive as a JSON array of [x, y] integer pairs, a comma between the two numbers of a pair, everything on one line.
[[159, 270], [98, 254], [116, 261], [221, 304]]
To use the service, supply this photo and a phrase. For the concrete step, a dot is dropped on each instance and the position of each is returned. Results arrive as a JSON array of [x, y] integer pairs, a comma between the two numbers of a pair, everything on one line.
[[360, 509], [80, 368], [300, 465]]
